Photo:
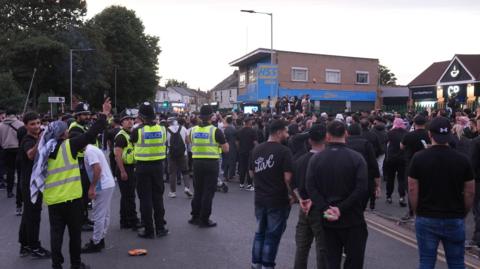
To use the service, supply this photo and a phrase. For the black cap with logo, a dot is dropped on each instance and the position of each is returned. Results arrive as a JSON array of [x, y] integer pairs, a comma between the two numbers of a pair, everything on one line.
[[440, 128]]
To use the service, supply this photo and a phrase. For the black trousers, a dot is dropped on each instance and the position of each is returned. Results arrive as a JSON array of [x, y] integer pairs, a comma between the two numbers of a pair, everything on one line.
[[150, 188], [12, 167], [395, 169], [85, 187], [67, 214], [29, 232], [243, 167], [128, 208], [351, 241], [309, 228], [229, 164], [205, 174]]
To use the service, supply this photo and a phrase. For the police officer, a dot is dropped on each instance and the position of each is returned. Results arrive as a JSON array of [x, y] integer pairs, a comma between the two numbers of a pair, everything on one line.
[[78, 127], [125, 171], [206, 141], [62, 186], [149, 141]]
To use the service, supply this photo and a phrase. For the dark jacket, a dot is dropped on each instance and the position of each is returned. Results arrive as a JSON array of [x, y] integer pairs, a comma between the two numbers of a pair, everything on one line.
[[381, 133], [364, 147], [475, 158], [338, 176], [372, 138]]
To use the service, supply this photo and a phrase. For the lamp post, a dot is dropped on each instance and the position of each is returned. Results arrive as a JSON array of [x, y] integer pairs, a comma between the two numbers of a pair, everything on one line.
[[271, 42], [71, 73], [271, 29]]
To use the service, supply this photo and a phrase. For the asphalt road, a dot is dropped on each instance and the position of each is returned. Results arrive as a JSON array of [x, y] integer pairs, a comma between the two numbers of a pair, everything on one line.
[[226, 246]]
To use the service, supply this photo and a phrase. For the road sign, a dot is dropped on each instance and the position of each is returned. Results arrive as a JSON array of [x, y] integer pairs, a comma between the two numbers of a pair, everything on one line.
[[54, 99]]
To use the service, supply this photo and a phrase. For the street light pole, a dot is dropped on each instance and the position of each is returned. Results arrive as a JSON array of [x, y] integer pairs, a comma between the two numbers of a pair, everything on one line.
[[271, 29], [71, 73], [115, 89]]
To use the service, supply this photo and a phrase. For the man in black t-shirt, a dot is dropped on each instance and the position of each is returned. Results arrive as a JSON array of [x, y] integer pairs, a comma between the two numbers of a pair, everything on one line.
[[441, 192], [271, 169], [28, 235], [416, 140]]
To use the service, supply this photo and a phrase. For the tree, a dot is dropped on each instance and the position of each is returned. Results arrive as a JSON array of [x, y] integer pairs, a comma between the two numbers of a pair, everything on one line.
[[132, 52], [386, 77], [47, 16], [12, 96], [175, 83]]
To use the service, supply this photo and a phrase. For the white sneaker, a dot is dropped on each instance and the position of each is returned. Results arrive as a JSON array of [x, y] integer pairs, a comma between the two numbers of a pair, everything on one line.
[[242, 186], [172, 195], [249, 188], [188, 192]]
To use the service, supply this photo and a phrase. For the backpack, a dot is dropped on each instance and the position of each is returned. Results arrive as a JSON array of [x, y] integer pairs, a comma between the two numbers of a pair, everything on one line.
[[177, 146]]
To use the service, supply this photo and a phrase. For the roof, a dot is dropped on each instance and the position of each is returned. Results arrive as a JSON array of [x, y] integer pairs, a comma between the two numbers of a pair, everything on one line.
[[431, 75], [472, 63], [262, 53], [160, 88], [183, 91], [228, 83], [394, 91]]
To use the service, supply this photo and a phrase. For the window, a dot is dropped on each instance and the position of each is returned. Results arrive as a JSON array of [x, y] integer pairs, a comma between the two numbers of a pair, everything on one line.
[[362, 77], [252, 75], [242, 80], [332, 76], [299, 74]]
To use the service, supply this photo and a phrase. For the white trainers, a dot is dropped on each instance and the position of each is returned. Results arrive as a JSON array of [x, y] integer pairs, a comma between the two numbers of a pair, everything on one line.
[[242, 186], [249, 188], [188, 192], [172, 195]]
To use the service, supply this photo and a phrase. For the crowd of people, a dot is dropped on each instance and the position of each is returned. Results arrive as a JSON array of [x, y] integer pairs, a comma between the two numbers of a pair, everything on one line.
[[332, 165]]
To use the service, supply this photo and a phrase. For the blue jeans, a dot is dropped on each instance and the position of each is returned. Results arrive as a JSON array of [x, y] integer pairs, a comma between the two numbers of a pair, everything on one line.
[[271, 223], [451, 232]]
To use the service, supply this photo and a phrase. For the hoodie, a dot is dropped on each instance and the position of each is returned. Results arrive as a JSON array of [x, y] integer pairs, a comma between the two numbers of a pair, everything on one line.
[[381, 133], [8, 132]]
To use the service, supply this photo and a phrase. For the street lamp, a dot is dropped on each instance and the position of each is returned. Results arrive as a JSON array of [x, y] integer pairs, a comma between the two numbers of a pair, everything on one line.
[[271, 28], [71, 73]]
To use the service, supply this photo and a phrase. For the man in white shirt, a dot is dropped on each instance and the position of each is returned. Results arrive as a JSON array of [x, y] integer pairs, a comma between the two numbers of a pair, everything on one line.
[[102, 186], [177, 156]]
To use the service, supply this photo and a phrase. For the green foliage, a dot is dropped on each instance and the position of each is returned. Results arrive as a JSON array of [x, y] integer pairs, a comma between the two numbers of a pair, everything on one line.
[[12, 95], [386, 77], [133, 53], [40, 34], [176, 83]]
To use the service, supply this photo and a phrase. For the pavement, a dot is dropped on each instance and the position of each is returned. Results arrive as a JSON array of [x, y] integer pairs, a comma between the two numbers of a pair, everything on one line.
[[226, 246]]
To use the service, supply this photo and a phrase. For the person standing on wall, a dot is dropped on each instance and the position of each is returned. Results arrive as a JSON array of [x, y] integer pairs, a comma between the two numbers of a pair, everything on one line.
[[149, 141], [206, 141]]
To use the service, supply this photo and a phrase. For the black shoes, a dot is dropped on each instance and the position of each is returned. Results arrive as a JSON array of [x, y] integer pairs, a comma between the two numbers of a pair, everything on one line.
[[143, 233], [162, 232], [207, 224], [194, 221], [40, 253], [19, 211], [402, 202], [91, 247], [25, 251]]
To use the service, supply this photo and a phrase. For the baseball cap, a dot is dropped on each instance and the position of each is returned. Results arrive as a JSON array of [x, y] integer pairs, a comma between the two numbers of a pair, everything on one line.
[[440, 128]]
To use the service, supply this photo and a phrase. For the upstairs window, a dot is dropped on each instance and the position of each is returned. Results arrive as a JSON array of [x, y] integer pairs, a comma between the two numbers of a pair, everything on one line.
[[299, 74], [362, 77], [332, 76]]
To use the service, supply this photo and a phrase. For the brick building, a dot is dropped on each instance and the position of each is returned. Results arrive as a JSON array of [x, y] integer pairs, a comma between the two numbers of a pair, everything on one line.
[[334, 83]]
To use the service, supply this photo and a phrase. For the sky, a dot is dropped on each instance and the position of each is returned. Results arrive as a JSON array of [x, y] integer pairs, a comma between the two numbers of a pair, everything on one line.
[[199, 38]]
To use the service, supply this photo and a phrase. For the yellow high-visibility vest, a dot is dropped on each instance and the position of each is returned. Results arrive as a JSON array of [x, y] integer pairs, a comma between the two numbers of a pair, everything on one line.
[[63, 181], [150, 145], [204, 144], [128, 155]]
